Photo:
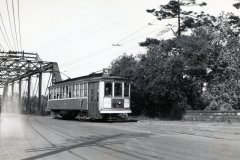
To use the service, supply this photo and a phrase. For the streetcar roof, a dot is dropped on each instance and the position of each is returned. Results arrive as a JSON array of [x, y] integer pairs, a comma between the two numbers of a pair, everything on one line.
[[92, 77]]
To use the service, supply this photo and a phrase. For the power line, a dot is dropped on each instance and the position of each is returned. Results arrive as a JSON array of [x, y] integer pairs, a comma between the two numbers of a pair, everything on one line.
[[19, 26], [4, 37], [140, 29], [6, 32], [162, 32], [104, 58], [9, 19], [85, 56], [103, 27], [76, 60], [109, 55], [130, 36], [14, 22]]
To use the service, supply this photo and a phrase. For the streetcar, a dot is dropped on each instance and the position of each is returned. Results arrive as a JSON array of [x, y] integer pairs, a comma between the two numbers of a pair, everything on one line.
[[95, 96]]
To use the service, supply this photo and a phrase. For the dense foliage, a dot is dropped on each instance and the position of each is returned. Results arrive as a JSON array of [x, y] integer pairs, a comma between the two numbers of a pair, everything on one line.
[[197, 71]]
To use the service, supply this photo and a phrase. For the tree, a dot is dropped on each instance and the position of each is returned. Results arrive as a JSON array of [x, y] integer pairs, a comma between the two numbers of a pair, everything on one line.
[[159, 87], [124, 66], [236, 5], [173, 10], [223, 86]]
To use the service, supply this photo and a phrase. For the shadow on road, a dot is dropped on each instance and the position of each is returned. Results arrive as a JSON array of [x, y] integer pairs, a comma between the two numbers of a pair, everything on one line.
[[99, 120], [86, 142]]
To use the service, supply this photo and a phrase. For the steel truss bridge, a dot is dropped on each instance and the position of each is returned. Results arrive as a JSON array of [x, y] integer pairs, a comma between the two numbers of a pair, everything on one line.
[[18, 66]]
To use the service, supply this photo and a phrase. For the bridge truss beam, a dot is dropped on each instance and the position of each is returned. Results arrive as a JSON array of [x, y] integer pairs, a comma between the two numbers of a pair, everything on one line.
[[15, 66]]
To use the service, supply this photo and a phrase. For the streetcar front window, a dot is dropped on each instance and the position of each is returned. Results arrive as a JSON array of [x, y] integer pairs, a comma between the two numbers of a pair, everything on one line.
[[108, 89], [118, 89]]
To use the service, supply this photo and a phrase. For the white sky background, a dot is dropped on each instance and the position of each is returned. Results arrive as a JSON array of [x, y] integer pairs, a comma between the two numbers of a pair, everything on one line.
[[78, 34]]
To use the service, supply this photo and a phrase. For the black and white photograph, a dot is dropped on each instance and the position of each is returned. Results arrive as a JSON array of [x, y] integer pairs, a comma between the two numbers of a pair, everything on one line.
[[119, 79]]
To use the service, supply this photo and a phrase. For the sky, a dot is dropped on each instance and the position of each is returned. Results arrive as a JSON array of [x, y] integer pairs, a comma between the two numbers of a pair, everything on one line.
[[79, 34]]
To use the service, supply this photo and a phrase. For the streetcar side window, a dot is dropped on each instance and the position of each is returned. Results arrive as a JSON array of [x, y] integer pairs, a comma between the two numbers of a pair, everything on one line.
[[64, 92], [81, 90], [58, 92], [85, 89], [61, 93], [67, 92], [55, 93], [50, 93], [126, 89], [70, 92], [108, 89], [74, 90], [77, 90], [118, 89]]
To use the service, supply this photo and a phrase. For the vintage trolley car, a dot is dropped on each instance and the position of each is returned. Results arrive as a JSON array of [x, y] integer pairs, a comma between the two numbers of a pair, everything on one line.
[[96, 96]]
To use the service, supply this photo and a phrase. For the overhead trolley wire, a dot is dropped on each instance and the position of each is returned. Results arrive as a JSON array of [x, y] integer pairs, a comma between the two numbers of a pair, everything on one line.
[[9, 19], [14, 22], [161, 33], [103, 58], [105, 49], [85, 56], [140, 29], [76, 60]]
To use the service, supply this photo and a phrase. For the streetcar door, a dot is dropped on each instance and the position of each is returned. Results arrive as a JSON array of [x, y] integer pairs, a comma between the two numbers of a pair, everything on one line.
[[93, 93]]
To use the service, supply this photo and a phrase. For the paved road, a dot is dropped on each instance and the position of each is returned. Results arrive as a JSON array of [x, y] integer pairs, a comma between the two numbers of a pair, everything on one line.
[[35, 137]]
